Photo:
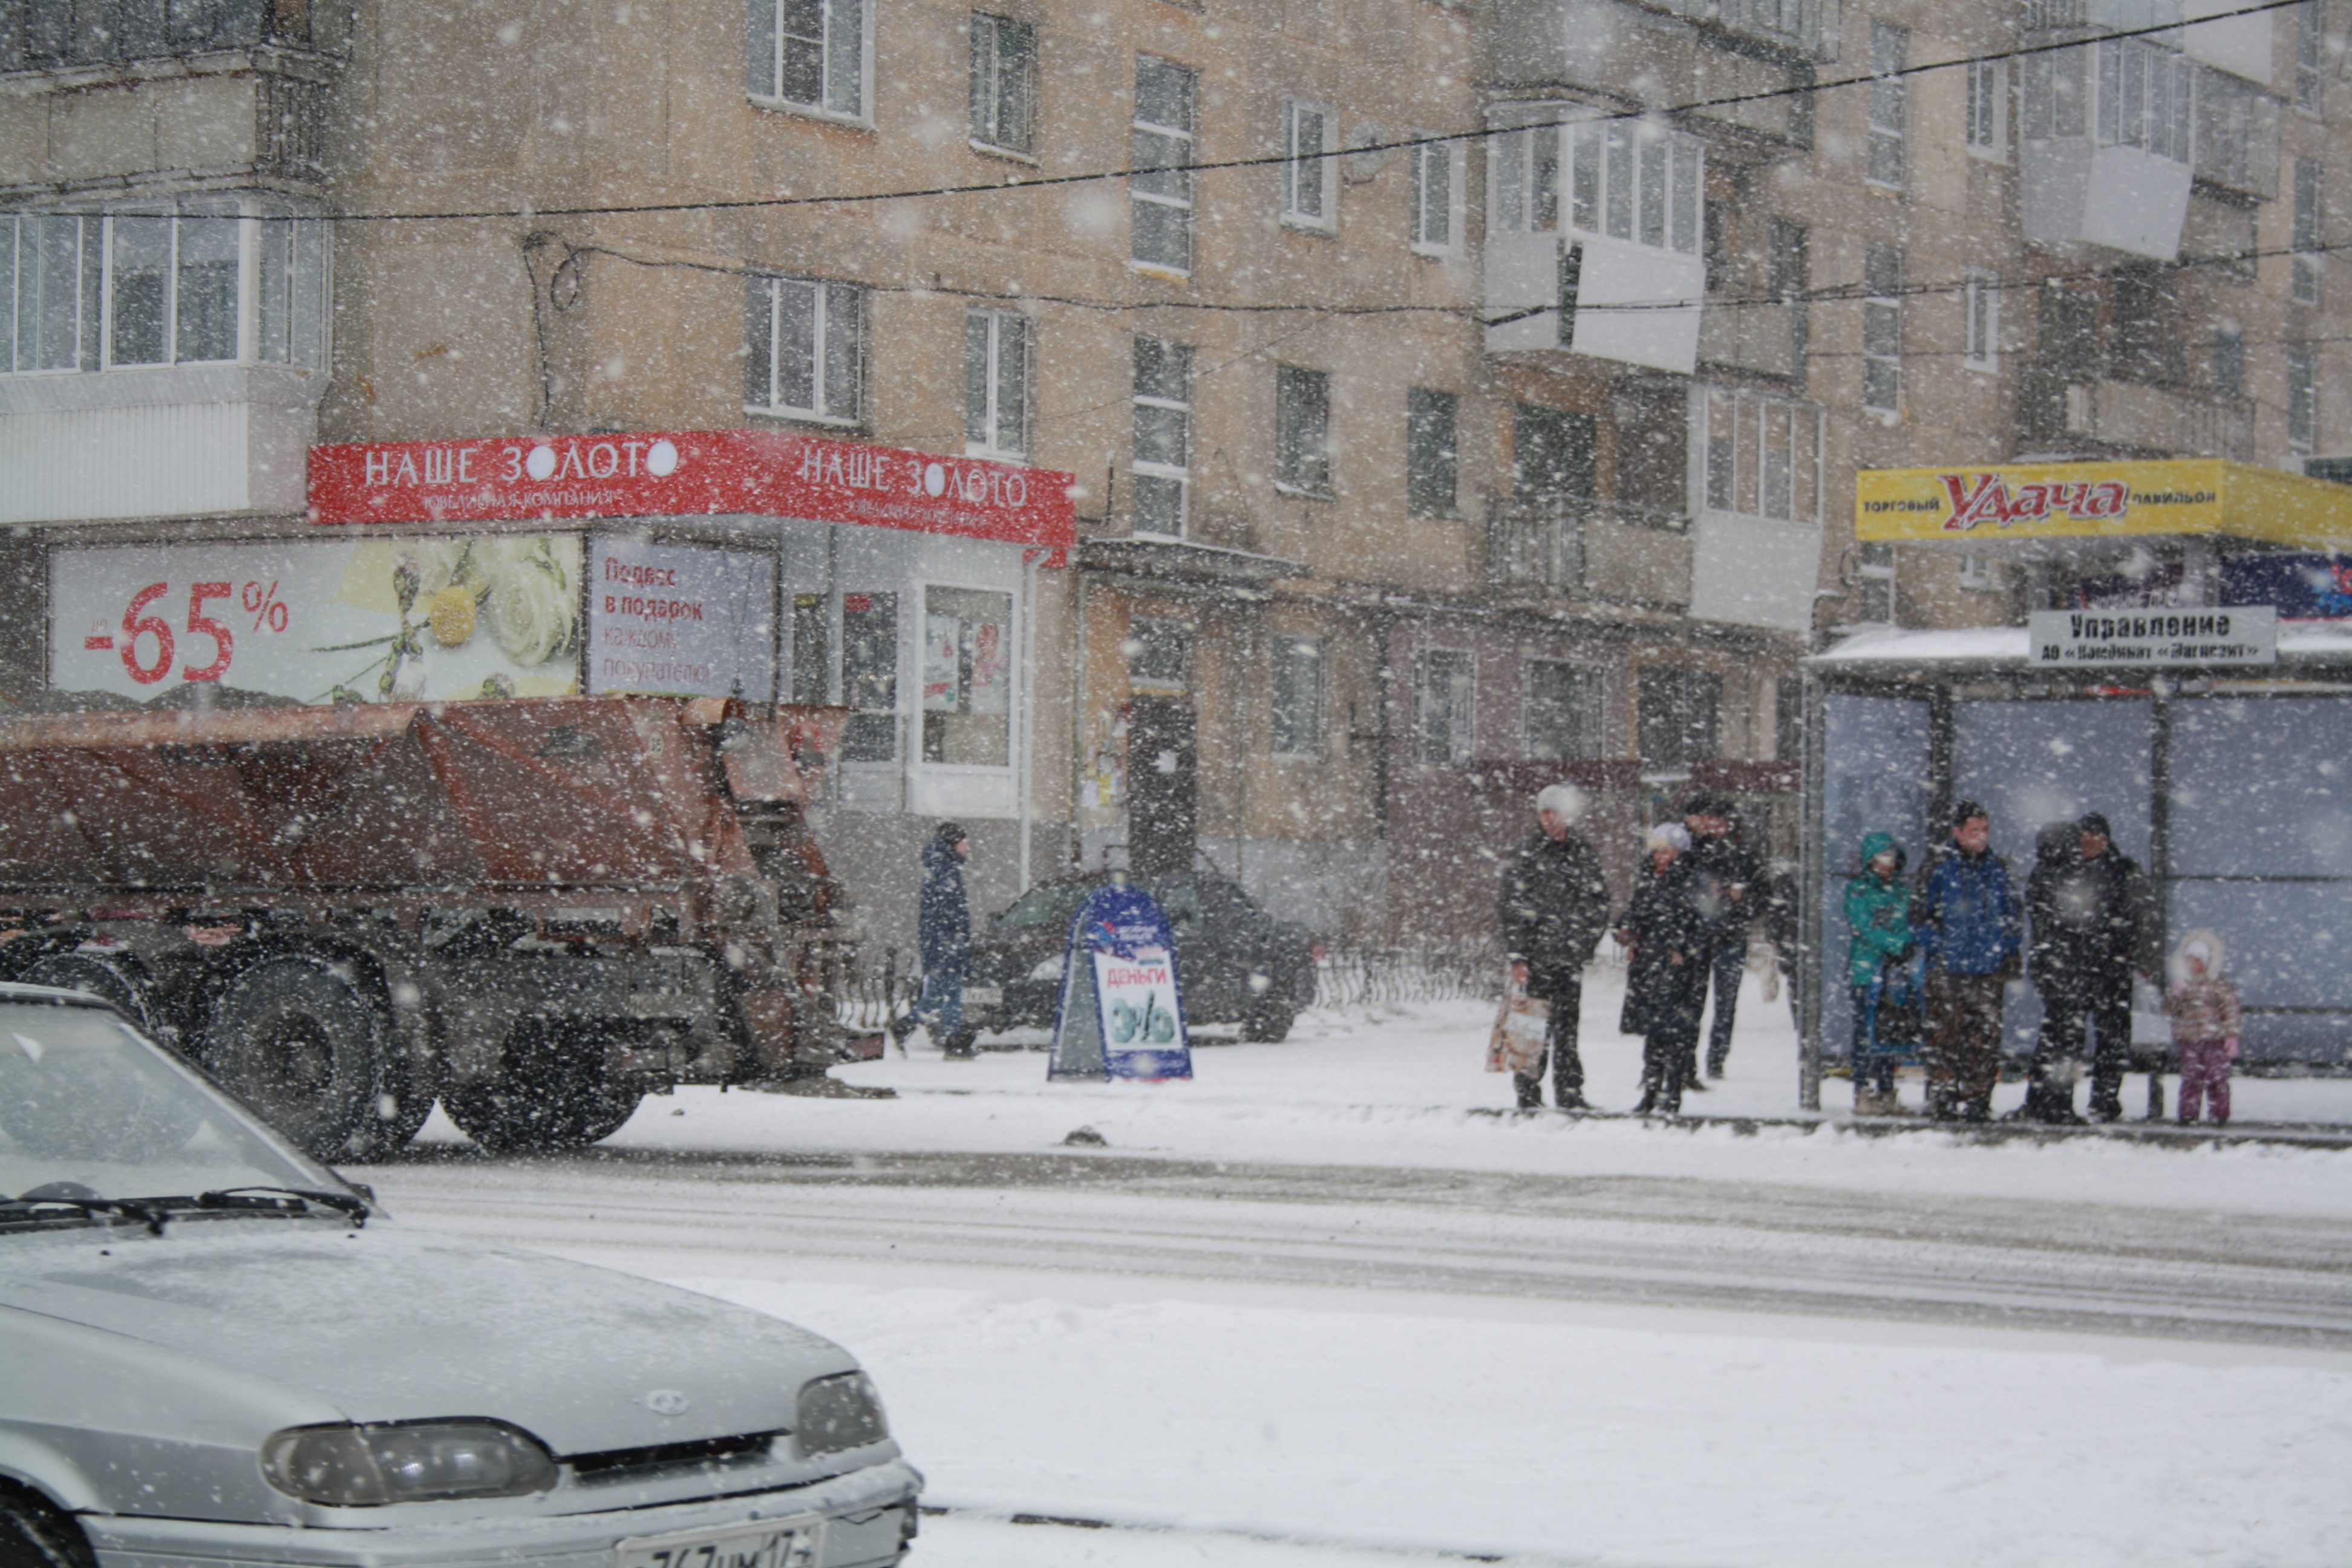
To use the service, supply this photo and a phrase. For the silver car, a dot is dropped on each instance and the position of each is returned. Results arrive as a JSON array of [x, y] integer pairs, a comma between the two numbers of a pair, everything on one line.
[[214, 1351]]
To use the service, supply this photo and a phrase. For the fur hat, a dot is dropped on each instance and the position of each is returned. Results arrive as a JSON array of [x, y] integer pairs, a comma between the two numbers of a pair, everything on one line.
[[1564, 798], [2213, 953], [1669, 833]]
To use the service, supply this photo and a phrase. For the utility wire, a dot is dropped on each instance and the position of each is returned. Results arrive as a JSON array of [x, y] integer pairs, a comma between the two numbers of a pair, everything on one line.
[[1727, 101]]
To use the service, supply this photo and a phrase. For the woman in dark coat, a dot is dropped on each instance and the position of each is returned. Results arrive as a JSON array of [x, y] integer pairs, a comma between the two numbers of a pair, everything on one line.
[[1667, 932]]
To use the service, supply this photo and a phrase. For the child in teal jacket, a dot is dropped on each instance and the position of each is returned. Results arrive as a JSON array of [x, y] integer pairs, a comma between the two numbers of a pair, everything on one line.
[[1877, 910]]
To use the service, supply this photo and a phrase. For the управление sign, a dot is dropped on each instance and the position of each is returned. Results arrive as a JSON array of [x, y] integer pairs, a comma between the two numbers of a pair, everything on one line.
[[2236, 633]]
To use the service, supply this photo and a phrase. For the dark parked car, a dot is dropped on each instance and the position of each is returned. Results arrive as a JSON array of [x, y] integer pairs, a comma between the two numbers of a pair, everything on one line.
[[1238, 964]]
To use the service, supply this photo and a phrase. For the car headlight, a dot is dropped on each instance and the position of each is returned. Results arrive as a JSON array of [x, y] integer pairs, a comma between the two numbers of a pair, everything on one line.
[[837, 1413], [364, 1467], [1048, 969]]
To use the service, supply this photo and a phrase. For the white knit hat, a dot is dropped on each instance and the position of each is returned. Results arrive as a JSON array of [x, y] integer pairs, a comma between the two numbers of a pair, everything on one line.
[[1564, 798], [1672, 833]]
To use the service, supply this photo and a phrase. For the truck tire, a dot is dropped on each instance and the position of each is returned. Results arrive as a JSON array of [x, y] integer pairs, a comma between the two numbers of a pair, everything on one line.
[[33, 1535], [550, 1093], [110, 979], [301, 1042]]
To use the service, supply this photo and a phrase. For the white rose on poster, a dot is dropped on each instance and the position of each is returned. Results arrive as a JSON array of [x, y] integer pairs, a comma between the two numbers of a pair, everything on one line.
[[534, 596]]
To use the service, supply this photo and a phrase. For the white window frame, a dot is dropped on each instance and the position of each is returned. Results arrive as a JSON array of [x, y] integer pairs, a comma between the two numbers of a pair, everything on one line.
[[2302, 398], [999, 379], [1882, 341], [1435, 224], [1980, 320], [1986, 129], [1461, 668], [1624, 180], [1874, 580], [2310, 196], [1310, 455], [1180, 200], [2147, 99], [299, 308], [989, 94], [1599, 742], [1886, 155], [845, 89], [1738, 434], [1177, 474], [1290, 654], [2310, 60], [1976, 573], [835, 307], [1310, 180]]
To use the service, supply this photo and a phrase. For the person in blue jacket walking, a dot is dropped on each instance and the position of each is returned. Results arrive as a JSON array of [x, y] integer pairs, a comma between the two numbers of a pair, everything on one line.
[[943, 931], [1968, 924]]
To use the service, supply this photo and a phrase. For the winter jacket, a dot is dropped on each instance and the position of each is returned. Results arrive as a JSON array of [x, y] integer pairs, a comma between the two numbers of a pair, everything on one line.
[[2206, 1010], [1665, 917], [1877, 911], [1553, 909], [1720, 864], [943, 917], [2094, 923], [1965, 915]]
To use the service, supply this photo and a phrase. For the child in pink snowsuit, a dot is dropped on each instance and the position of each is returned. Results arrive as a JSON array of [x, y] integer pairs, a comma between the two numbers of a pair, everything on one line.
[[2203, 1007]]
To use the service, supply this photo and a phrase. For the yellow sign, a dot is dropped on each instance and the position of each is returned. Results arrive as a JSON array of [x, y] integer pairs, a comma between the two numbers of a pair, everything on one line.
[[1978, 505]]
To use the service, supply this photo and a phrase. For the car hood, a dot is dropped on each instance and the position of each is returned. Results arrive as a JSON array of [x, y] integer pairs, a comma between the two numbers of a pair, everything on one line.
[[392, 1324]]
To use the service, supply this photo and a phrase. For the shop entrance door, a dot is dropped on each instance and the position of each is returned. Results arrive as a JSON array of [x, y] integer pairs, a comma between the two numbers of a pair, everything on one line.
[[1162, 788]]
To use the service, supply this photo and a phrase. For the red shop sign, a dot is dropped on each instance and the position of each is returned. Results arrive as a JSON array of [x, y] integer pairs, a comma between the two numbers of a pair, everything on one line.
[[691, 473]]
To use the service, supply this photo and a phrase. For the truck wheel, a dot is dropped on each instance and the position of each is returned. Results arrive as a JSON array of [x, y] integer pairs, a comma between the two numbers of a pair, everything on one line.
[[1267, 1024], [307, 1048], [109, 979], [550, 1094], [33, 1535], [403, 1099]]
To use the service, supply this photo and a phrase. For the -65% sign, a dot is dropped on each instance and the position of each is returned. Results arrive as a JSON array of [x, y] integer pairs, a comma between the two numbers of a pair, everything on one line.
[[148, 646]]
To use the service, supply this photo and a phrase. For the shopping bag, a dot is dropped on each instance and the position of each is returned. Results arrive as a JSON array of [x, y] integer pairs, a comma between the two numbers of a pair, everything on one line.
[[1517, 1043]]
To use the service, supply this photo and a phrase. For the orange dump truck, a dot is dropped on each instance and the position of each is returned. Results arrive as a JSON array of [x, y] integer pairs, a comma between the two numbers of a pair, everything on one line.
[[534, 910]]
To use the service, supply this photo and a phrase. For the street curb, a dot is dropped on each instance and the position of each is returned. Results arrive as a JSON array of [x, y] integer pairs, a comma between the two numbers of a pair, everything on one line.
[[2157, 1135]]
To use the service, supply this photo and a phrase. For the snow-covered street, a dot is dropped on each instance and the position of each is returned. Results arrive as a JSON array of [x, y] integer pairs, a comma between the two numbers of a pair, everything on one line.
[[1317, 1308]]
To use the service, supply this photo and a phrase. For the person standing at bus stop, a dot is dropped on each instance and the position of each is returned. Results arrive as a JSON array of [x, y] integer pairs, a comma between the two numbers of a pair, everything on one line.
[[2121, 938], [1966, 918], [943, 931], [1553, 909], [1729, 871]]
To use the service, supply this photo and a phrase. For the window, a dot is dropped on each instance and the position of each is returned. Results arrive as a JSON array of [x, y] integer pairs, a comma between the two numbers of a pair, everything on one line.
[[1161, 153], [86, 291], [1763, 455], [1429, 467], [2302, 397], [1554, 453], [2237, 134], [967, 677], [1307, 195], [1297, 697], [1976, 573], [1874, 582], [869, 677], [1791, 260], [1980, 321], [1564, 711], [2147, 99], [805, 357], [1881, 329], [2308, 56], [1676, 720], [1987, 108], [1163, 431], [2054, 104], [1888, 95], [811, 649], [1159, 654], [1789, 719], [1628, 180], [1434, 184], [2306, 231], [1302, 430], [996, 384], [2230, 361], [1444, 695], [1003, 83], [810, 54]]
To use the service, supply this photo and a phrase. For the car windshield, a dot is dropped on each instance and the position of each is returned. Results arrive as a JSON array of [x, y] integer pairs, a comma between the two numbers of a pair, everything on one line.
[[1051, 906], [90, 1108]]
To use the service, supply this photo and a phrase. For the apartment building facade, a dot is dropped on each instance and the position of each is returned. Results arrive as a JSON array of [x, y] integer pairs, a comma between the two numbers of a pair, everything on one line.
[[1450, 400]]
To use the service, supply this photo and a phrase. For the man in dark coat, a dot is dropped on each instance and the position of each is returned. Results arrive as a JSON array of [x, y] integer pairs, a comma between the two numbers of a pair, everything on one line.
[[1968, 922], [2058, 901], [1554, 907], [1730, 877], [943, 931], [2108, 934]]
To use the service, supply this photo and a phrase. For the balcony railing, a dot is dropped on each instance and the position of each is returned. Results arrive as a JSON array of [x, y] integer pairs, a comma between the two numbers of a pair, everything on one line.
[[1566, 543], [50, 35], [2056, 410]]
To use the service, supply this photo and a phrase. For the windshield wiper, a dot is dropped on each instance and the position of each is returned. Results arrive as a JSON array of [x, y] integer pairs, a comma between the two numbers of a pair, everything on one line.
[[282, 1200], [139, 1210]]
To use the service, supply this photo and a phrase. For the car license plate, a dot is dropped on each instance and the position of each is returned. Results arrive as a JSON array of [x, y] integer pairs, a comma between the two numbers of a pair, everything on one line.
[[776, 1544], [984, 995]]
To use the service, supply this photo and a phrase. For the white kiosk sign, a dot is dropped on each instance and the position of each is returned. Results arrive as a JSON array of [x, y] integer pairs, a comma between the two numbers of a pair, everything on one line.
[[2235, 634]]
